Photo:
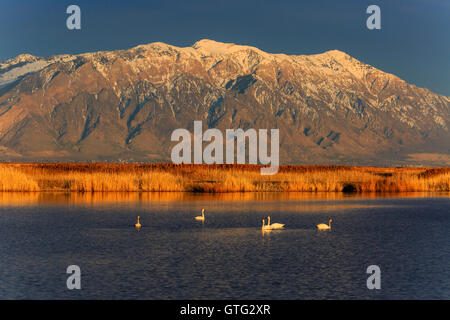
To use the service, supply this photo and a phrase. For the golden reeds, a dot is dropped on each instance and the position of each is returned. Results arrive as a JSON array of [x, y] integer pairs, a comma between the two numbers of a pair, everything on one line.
[[217, 178]]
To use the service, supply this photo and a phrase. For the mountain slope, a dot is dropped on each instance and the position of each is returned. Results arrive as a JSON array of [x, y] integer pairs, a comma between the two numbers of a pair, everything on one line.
[[14, 69], [124, 104]]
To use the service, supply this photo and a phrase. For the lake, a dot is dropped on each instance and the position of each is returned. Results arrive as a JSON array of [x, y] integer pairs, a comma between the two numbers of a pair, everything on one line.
[[228, 256]]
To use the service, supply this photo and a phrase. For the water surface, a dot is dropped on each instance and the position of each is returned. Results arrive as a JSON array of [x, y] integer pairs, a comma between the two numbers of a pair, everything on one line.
[[227, 257]]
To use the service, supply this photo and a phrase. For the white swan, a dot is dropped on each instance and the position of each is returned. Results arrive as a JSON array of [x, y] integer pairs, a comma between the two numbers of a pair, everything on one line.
[[323, 226], [138, 224], [274, 225], [202, 217], [264, 227]]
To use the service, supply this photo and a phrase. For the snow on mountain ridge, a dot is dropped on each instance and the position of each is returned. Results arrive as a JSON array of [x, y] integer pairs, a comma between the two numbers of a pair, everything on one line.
[[15, 68], [226, 62], [208, 52], [21, 58]]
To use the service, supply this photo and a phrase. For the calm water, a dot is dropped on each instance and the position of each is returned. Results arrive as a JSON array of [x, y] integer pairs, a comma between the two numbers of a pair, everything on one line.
[[228, 257]]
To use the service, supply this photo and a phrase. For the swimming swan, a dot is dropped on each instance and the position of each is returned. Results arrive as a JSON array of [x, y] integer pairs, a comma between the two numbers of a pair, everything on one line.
[[264, 227], [138, 225], [202, 217], [323, 226], [274, 225]]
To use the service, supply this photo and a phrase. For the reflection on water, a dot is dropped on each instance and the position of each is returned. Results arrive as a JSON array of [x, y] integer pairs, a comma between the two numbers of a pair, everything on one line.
[[227, 256], [97, 198]]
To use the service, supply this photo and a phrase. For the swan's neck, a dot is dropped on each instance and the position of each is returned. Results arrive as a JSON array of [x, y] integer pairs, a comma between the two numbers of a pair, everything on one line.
[[268, 222]]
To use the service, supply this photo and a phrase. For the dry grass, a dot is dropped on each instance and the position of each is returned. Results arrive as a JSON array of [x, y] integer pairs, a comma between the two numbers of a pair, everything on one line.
[[218, 178], [12, 179]]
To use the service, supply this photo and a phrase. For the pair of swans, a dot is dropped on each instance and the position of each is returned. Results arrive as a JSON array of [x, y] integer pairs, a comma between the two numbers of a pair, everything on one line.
[[138, 225], [272, 226]]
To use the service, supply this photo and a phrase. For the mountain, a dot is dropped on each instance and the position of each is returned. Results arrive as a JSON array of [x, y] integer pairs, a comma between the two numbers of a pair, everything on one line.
[[14, 69], [123, 105]]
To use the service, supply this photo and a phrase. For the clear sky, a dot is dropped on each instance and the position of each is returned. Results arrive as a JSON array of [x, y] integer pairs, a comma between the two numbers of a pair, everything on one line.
[[414, 42]]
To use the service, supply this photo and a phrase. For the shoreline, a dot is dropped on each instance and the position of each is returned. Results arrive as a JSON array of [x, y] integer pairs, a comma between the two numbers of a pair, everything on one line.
[[167, 177]]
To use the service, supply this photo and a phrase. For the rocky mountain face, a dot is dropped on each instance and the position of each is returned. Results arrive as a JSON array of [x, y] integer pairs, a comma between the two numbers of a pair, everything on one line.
[[123, 105]]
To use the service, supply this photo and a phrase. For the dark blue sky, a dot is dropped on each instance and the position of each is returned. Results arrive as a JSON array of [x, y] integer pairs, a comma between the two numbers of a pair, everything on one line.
[[414, 42]]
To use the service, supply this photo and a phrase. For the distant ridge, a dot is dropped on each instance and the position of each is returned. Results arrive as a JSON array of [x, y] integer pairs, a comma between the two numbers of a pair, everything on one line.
[[122, 105]]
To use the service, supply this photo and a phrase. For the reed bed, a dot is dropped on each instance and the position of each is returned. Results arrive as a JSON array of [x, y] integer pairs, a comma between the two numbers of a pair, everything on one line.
[[101, 177]]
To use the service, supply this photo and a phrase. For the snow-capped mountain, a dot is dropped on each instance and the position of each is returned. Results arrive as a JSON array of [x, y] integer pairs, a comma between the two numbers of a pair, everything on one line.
[[14, 69], [123, 105]]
